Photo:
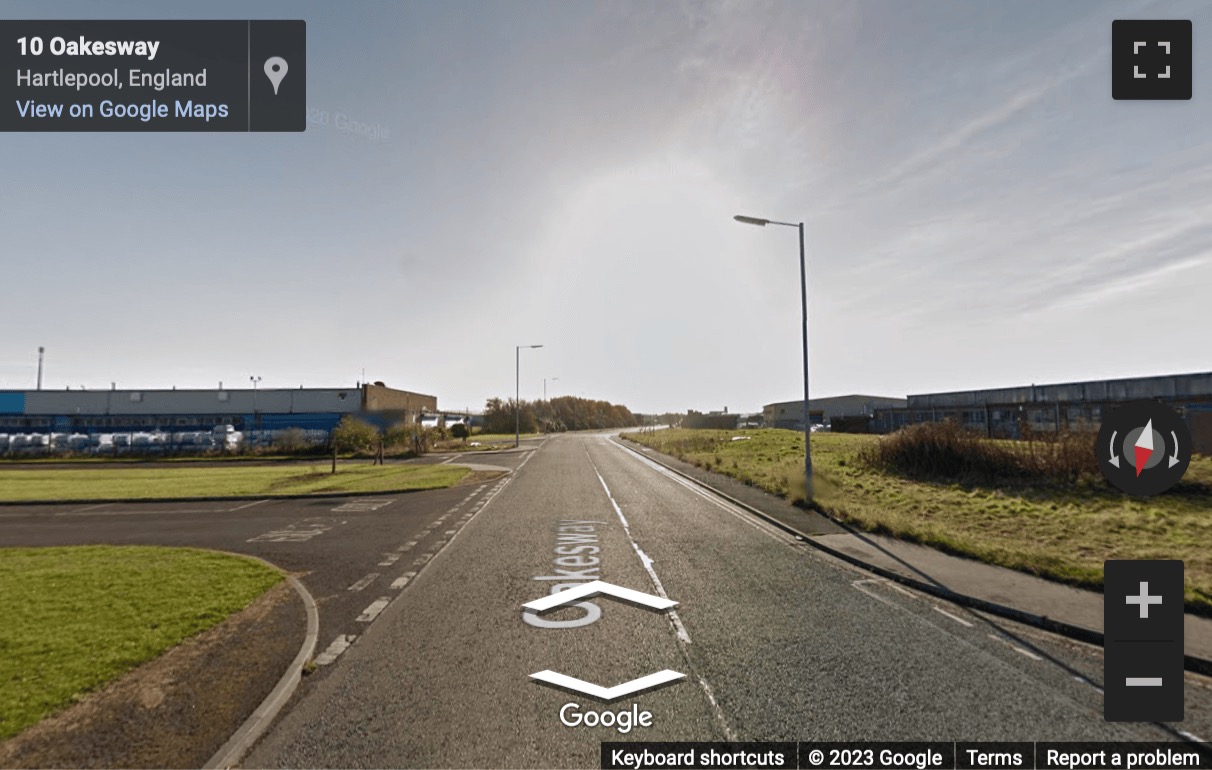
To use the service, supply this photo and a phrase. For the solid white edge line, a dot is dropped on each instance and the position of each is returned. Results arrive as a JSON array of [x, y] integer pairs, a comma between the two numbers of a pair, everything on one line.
[[956, 618]]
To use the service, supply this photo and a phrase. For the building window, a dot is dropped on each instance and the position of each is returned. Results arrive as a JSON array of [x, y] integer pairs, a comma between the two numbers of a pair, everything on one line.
[[136, 397]]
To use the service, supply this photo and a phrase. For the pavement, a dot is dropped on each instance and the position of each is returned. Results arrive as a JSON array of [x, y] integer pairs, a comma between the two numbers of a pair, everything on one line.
[[1022, 593], [426, 654]]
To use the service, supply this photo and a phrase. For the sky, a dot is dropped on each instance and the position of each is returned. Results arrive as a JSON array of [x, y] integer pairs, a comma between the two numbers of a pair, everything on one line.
[[978, 211]]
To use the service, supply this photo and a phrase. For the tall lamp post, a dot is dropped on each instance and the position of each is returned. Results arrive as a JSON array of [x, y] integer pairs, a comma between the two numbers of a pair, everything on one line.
[[804, 307], [256, 417], [517, 393], [553, 379]]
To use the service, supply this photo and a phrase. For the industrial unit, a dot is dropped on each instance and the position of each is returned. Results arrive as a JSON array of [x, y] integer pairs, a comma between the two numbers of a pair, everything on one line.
[[250, 409], [1015, 412], [790, 414]]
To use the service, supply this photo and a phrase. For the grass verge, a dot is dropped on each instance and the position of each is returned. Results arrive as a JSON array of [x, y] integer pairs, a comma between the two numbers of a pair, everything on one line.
[[1054, 530], [76, 618], [133, 483]]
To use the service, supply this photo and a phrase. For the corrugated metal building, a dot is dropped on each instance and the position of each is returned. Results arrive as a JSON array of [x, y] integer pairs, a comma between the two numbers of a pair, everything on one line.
[[267, 409], [1012, 412], [790, 414]]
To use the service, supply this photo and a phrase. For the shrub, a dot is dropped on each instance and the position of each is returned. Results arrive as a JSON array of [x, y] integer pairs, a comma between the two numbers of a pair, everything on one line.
[[944, 451], [354, 435], [291, 440], [459, 430]]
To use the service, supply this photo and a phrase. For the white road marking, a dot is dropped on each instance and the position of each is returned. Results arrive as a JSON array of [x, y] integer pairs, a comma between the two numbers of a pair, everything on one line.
[[956, 618], [675, 621], [422, 559], [372, 612], [338, 646], [358, 586], [389, 559], [402, 581], [247, 505], [1015, 647], [294, 533], [645, 560], [90, 508], [743, 516], [407, 546], [454, 509], [450, 532], [363, 505]]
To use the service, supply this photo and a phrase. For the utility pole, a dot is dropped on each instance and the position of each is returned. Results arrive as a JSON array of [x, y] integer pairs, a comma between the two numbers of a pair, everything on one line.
[[41, 350]]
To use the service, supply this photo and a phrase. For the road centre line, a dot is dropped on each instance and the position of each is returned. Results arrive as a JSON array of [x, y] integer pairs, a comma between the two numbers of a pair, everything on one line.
[[744, 516], [644, 559], [675, 621]]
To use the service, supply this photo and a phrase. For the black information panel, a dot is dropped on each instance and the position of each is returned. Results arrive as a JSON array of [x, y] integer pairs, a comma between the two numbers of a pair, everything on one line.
[[910, 755], [1143, 640], [153, 75]]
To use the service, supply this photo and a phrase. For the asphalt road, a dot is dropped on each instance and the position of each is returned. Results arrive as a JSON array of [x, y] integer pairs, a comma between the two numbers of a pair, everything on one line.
[[777, 641], [425, 653]]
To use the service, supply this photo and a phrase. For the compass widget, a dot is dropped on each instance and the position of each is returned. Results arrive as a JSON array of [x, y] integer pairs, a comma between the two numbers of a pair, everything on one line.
[[1143, 447]]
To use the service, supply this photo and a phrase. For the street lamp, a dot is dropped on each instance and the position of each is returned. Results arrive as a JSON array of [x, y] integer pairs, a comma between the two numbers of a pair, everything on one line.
[[256, 418], [553, 379], [517, 393], [804, 305]]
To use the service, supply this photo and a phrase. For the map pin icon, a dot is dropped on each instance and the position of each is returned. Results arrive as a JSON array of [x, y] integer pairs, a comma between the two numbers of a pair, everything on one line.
[[275, 70]]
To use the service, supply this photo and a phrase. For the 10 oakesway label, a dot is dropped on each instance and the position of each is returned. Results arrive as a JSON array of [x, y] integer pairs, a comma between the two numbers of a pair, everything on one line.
[[153, 75]]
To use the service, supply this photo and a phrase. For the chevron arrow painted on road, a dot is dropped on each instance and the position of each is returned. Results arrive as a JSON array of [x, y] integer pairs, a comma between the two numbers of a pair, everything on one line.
[[608, 693], [594, 588]]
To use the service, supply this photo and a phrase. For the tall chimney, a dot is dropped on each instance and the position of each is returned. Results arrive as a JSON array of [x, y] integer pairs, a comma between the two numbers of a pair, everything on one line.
[[41, 350]]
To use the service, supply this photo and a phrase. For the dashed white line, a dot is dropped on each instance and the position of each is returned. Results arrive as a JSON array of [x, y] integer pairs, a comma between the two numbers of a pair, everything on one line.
[[390, 559], [402, 581], [358, 586], [422, 559], [372, 612], [338, 646], [407, 546]]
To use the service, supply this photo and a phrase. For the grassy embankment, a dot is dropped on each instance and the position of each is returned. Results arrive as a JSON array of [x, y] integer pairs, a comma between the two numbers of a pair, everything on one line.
[[77, 618], [134, 483], [1062, 530]]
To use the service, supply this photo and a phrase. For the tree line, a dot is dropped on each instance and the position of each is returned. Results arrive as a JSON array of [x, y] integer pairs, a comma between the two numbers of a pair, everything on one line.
[[556, 415]]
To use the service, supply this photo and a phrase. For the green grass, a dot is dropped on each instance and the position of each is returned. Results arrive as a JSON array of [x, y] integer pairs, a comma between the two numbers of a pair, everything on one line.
[[133, 483], [1063, 532], [77, 618]]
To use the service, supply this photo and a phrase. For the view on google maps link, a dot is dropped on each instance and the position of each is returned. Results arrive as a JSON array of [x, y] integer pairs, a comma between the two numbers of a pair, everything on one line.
[[533, 384]]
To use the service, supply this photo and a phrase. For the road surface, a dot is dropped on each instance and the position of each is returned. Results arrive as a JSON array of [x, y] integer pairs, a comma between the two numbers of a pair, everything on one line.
[[425, 651]]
